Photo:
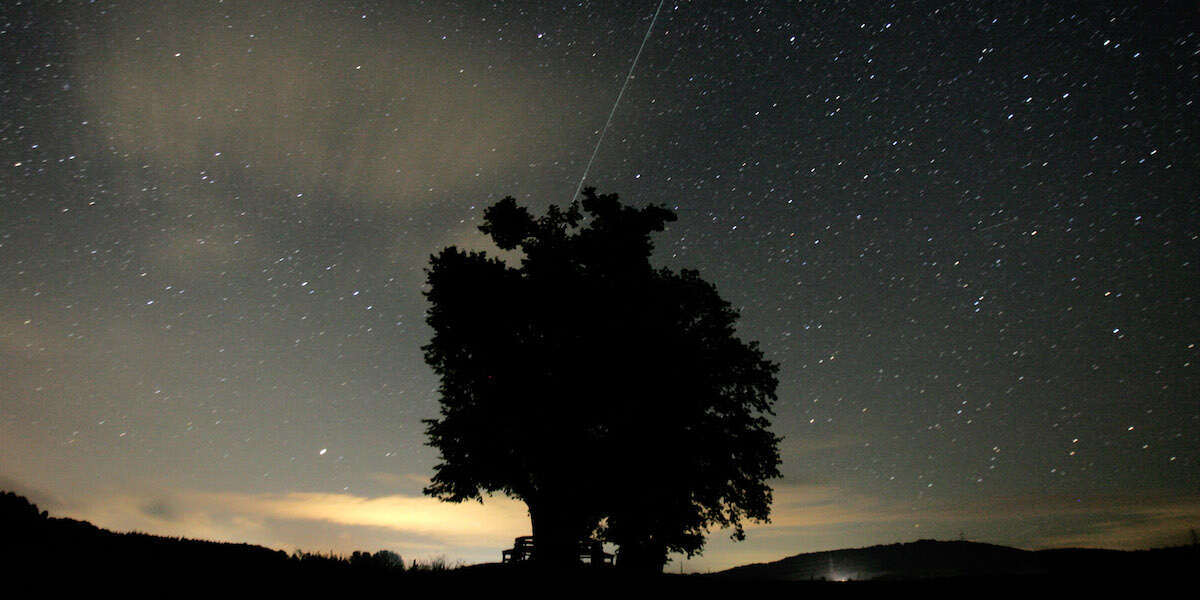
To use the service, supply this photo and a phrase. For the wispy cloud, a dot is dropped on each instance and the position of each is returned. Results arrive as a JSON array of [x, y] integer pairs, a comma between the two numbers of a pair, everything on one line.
[[803, 506], [320, 521], [417, 515], [816, 517]]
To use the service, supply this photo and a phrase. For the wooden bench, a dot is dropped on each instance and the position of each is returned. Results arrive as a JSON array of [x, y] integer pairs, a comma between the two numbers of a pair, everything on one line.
[[591, 551], [521, 551]]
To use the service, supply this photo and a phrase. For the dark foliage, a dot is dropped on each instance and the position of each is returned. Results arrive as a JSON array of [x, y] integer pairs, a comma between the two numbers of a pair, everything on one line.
[[611, 397]]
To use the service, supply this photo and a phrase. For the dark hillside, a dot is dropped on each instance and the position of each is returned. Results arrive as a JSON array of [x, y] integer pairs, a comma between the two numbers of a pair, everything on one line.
[[931, 559], [35, 546]]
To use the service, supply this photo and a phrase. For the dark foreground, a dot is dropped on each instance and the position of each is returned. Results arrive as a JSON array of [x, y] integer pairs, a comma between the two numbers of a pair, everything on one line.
[[235, 581]]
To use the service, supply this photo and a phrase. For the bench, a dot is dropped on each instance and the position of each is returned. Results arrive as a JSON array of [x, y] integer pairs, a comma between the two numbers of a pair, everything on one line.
[[591, 551], [521, 551]]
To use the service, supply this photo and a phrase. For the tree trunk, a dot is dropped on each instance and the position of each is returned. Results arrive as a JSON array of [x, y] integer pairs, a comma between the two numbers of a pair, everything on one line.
[[555, 535]]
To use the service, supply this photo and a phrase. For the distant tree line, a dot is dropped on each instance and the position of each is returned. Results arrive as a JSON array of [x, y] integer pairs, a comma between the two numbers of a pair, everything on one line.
[[36, 545]]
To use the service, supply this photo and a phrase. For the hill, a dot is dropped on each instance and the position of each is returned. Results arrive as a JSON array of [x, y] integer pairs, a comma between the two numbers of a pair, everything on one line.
[[931, 559]]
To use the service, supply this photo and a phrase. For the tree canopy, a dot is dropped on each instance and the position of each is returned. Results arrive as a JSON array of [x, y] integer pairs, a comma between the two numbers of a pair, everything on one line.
[[613, 398]]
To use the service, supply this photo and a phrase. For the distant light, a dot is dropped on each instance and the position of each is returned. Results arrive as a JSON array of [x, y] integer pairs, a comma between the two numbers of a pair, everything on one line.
[[323, 451]]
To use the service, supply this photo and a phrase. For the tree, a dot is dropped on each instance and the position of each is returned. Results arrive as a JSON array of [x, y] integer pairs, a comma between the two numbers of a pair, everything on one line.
[[611, 397]]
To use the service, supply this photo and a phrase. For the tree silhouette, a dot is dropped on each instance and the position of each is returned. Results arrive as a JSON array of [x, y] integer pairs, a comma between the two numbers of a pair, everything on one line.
[[611, 397]]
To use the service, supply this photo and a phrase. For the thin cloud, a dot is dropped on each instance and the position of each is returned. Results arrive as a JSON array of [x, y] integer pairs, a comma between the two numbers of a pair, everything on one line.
[[341, 522], [1134, 521]]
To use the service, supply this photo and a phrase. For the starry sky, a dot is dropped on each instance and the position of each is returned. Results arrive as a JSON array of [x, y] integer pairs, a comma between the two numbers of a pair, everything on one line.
[[969, 233]]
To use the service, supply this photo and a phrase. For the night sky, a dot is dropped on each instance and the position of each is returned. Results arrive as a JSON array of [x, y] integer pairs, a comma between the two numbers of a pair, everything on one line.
[[969, 233]]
